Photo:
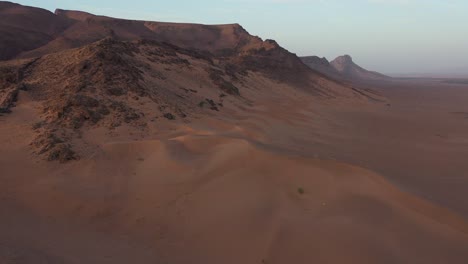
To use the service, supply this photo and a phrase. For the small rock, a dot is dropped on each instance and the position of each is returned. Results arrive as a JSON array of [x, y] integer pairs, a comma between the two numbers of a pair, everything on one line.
[[169, 116]]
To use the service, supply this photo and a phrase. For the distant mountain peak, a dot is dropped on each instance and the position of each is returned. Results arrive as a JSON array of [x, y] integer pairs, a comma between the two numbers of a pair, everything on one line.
[[316, 60], [343, 67], [350, 70], [344, 58]]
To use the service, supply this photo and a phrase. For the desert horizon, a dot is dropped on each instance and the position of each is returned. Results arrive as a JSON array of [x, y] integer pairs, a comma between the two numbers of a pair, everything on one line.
[[136, 141]]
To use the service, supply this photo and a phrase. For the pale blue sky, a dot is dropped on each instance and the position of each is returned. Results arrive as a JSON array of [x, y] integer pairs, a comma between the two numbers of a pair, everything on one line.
[[391, 36]]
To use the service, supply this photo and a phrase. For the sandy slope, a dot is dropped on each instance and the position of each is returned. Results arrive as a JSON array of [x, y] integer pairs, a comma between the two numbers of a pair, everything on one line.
[[215, 190], [419, 141]]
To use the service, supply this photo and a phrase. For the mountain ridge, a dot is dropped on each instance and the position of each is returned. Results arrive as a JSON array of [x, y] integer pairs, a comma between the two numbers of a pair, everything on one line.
[[342, 67], [78, 28]]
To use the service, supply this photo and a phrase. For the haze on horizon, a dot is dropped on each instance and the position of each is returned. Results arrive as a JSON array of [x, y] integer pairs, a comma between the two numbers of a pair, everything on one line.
[[389, 36]]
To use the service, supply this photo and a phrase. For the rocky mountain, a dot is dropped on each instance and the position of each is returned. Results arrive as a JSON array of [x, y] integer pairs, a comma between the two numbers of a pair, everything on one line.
[[63, 30], [321, 65], [342, 67], [95, 71], [350, 70], [25, 28], [130, 141], [110, 83], [40, 32]]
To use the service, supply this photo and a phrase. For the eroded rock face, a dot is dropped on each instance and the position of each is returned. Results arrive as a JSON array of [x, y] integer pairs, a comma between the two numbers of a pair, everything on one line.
[[103, 85], [341, 68], [54, 147], [218, 77], [7, 99], [343, 63], [315, 60], [350, 70], [8, 88]]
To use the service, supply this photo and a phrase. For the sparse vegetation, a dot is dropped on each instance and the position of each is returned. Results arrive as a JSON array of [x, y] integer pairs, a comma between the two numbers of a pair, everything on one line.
[[38, 125], [63, 153], [55, 147]]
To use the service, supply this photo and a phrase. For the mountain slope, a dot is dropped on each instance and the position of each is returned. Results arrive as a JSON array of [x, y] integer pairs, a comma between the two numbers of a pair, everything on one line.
[[341, 68], [39, 32], [26, 28], [79, 29], [321, 65], [110, 83], [213, 38]]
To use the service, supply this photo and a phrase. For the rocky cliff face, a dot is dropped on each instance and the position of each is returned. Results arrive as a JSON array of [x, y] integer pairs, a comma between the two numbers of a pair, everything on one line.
[[350, 70]]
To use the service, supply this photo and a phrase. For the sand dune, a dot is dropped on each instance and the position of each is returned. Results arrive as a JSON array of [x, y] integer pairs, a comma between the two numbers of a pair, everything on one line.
[[210, 192]]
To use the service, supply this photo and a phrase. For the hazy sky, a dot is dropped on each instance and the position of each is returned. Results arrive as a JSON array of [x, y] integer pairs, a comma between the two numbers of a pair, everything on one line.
[[391, 36]]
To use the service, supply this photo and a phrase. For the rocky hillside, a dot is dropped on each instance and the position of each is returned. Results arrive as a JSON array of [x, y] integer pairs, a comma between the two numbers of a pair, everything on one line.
[[26, 28], [321, 65], [112, 83], [37, 32], [101, 72]]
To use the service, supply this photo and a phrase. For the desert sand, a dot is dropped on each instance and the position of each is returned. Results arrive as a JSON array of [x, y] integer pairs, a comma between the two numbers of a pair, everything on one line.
[[243, 189], [138, 151]]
